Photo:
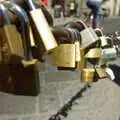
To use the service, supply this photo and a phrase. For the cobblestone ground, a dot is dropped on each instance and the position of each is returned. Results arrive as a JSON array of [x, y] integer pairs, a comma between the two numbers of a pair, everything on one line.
[[101, 102]]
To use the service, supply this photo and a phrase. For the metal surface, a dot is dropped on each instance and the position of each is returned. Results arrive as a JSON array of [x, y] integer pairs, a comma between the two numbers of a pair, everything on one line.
[[93, 53], [87, 75], [80, 64], [88, 37], [101, 72], [64, 55], [43, 29]]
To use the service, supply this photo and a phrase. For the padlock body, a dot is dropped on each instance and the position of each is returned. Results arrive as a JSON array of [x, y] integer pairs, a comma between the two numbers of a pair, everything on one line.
[[25, 77]]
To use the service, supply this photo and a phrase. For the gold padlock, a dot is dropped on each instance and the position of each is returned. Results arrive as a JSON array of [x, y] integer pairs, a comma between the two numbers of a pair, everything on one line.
[[101, 72], [93, 53], [40, 22], [87, 75], [24, 71], [80, 64], [64, 55], [11, 37]]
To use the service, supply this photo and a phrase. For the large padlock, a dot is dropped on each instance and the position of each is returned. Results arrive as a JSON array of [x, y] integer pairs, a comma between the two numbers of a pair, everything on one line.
[[24, 71], [11, 46], [64, 55], [40, 22]]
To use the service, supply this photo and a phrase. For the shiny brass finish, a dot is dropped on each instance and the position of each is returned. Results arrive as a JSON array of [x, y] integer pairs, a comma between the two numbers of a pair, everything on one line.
[[43, 29], [87, 75], [32, 41], [77, 51], [64, 55], [80, 64], [13, 40], [93, 53], [101, 72]]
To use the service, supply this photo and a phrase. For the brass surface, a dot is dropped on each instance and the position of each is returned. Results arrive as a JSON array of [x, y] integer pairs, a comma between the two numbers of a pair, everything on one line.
[[77, 51], [43, 29], [101, 72], [93, 53], [87, 75], [64, 55], [80, 64], [13, 42], [32, 41]]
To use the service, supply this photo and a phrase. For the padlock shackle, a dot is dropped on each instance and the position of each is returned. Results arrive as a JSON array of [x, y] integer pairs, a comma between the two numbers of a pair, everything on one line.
[[30, 4], [24, 20], [4, 14]]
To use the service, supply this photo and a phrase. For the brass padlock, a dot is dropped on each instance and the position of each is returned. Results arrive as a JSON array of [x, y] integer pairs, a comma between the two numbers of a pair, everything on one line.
[[12, 38], [80, 64], [93, 53], [101, 72], [24, 71], [87, 75], [40, 23], [64, 55]]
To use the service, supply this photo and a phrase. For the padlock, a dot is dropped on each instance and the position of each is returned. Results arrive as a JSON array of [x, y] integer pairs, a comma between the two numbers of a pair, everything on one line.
[[87, 75], [24, 71], [109, 54], [93, 53], [103, 41], [88, 35], [12, 37], [64, 55], [80, 64], [101, 72], [40, 22]]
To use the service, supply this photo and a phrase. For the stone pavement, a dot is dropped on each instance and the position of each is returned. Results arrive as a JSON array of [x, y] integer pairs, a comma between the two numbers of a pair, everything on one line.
[[101, 102]]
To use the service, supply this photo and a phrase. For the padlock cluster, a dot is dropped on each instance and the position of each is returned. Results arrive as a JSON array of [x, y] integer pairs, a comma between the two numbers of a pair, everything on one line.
[[28, 35]]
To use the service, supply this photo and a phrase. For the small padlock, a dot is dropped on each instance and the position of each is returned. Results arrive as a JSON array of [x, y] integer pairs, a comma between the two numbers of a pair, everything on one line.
[[109, 54], [101, 72], [88, 35], [87, 75]]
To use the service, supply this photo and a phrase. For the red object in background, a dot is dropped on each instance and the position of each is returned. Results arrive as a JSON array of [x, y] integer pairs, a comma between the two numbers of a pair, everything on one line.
[[44, 3]]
